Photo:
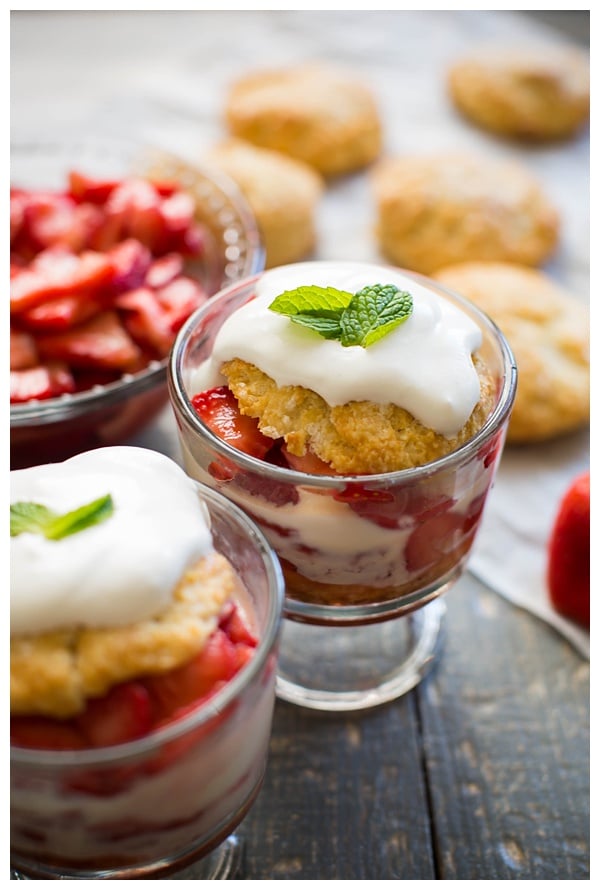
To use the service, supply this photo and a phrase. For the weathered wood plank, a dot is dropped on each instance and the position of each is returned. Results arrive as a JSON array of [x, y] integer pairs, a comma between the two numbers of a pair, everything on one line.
[[343, 798], [506, 745]]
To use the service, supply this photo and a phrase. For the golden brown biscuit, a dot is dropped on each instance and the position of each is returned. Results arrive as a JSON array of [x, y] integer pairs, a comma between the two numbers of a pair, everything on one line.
[[548, 331], [282, 193], [53, 674], [538, 93], [315, 113], [359, 437], [449, 208]]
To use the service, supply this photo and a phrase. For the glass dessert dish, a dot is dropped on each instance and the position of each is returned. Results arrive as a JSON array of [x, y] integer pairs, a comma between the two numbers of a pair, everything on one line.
[[100, 413], [365, 556], [171, 798]]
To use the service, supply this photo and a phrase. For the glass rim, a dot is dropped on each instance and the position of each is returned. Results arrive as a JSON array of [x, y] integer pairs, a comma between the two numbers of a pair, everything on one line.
[[493, 423], [217, 703]]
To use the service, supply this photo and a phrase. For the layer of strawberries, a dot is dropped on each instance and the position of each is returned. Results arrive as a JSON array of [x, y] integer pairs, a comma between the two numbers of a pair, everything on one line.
[[437, 528], [137, 707], [98, 280]]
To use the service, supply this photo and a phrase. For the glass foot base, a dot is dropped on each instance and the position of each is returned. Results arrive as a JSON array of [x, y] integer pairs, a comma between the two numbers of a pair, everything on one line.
[[351, 668], [221, 864]]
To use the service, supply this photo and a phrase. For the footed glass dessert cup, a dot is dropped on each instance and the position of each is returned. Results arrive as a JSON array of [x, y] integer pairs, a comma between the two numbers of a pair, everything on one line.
[[170, 800], [365, 557]]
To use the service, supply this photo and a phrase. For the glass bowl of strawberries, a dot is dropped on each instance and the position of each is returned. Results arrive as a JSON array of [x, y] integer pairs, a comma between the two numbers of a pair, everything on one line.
[[113, 246]]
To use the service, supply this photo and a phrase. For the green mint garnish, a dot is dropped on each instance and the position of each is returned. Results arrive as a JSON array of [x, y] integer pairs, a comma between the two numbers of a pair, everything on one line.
[[355, 320], [26, 516]]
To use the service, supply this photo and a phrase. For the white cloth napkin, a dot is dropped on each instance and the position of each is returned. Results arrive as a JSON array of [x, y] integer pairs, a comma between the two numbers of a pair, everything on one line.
[[510, 552]]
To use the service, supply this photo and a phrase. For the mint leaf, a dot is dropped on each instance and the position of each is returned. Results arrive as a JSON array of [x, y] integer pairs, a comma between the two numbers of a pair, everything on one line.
[[374, 311], [329, 328], [325, 302], [26, 516], [358, 320]]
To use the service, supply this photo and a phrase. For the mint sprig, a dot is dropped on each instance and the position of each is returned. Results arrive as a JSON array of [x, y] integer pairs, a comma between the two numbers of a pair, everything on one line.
[[26, 516], [358, 319]]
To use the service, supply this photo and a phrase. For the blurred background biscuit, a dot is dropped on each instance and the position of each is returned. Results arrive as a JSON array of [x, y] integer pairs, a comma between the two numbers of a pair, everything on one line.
[[535, 93], [433, 210], [316, 113], [548, 331], [282, 192]]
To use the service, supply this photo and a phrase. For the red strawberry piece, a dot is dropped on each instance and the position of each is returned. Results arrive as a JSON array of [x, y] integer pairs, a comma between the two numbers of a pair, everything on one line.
[[136, 204], [18, 201], [177, 212], [131, 261], [433, 539], [59, 221], [101, 342], [45, 733], [123, 714], [42, 382], [84, 188], [568, 567], [232, 623], [307, 463], [146, 320], [163, 270], [57, 272], [180, 298], [61, 313], [23, 351], [187, 685], [384, 507], [193, 242], [218, 409]]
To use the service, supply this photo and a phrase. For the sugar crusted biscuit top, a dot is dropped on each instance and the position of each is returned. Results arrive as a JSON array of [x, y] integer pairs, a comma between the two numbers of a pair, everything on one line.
[[433, 210], [282, 192], [548, 331], [313, 112], [535, 93], [53, 674], [357, 437]]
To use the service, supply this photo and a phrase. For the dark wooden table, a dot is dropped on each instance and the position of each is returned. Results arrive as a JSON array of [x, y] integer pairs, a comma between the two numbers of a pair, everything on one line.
[[481, 772]]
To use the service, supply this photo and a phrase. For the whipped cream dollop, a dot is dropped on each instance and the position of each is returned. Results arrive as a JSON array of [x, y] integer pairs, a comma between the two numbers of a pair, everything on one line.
[[424, 366], [121, 570]]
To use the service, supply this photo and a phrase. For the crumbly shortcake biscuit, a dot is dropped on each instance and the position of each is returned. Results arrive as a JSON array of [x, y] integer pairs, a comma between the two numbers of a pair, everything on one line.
[[548, 331], [282, 193], [316, 113], [448, 208], [536, 93], [359, 437], [53, 674]]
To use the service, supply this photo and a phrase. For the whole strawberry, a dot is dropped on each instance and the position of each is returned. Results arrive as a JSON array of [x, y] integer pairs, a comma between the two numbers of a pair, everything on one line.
[[569, 554]]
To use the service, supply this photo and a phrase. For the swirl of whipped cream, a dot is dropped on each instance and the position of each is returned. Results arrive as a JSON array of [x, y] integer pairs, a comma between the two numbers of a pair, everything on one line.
[[121, 570], [424, 366]]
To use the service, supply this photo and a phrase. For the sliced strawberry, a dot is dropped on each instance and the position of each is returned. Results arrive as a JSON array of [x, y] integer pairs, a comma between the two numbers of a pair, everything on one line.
[[42, 382], [568, 567], [146, 320], [204, 674], [124, 713], [84, 188], [180, 298], [218, 409], [45, 733], [308, 463], [433, 539], [233, 625], [59, 221], [101, 342], [131, 261], [58, 272], [23, 351], [177, 212], [61, 313], [163, 270], [136, 204]]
